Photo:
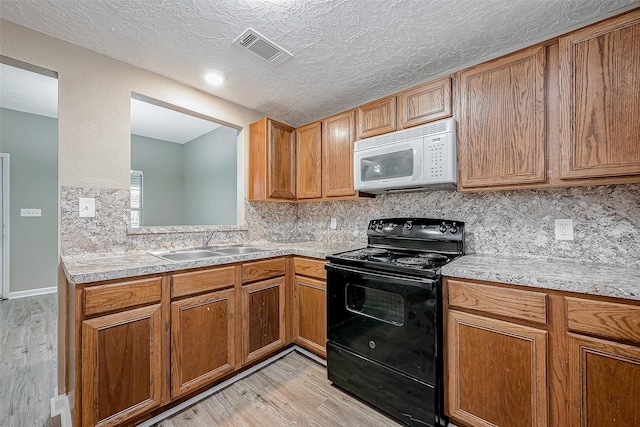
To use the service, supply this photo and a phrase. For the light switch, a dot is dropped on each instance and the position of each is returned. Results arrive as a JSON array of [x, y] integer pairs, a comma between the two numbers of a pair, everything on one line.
[[87, 207], [334, 224]]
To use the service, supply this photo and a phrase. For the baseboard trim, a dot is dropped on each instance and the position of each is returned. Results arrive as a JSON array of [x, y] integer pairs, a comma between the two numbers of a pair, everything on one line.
[[33, 292], [195, 399], [60, 406]]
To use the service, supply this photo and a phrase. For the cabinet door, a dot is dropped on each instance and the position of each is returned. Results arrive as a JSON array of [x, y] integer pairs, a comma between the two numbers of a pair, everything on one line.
[[425, 103], [309, 161], [121, 366], [377, 117], [263, 318], [281, 161], [337, 154], [271, 160], [496, 372], [202, 340], [310, 314], [605, 383], [502, 121], [600, 83]]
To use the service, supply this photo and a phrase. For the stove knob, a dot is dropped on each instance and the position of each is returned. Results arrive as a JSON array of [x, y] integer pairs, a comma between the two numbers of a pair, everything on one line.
[[443, 228], [453, 229], [408, 225]]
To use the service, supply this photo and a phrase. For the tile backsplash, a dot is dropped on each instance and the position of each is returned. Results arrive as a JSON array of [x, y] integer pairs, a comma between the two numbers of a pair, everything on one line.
[[606, 222]]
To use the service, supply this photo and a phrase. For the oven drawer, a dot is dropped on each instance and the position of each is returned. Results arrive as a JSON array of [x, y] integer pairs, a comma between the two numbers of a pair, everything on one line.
[[401, 396]]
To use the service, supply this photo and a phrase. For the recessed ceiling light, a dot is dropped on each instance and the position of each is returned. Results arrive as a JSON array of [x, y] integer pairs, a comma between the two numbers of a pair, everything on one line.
[[214, 77]]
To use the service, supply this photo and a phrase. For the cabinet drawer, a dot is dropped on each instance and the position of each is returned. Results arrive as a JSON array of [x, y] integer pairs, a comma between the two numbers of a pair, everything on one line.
[[202, 281], [310, 268], [261, 270], [514, 303], [605, 319], [118, 296]]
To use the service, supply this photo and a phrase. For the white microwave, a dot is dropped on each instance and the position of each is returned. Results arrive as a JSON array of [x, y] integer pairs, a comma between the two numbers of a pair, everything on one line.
[[419, 158]]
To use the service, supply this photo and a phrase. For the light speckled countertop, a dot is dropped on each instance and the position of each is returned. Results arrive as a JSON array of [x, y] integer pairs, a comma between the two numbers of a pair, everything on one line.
[[561, 275], [100, 266], [557, 274]]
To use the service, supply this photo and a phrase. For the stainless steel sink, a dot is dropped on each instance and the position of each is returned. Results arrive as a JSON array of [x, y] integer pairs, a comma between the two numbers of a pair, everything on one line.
[[241, 250], [205, 253], [188, 255]]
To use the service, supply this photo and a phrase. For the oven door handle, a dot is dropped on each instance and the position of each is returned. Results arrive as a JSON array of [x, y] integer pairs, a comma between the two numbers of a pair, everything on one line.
[[421, 281]]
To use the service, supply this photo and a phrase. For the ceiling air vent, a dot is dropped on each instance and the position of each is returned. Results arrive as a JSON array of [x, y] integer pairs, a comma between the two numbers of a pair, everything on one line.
[[259, 45]]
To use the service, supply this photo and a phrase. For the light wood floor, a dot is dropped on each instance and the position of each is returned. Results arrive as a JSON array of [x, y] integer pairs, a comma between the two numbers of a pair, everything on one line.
[[28, 360], [293, 391]]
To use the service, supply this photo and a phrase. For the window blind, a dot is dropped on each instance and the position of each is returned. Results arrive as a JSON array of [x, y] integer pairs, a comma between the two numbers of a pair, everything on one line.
[[136, 199]]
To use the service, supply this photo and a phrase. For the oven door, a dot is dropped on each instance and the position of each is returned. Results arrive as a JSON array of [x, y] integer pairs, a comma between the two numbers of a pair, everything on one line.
[[389, 319], [389, 166]]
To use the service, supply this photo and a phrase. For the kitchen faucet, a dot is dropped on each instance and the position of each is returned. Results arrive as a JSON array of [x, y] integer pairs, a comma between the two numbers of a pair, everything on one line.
[[207, 237]]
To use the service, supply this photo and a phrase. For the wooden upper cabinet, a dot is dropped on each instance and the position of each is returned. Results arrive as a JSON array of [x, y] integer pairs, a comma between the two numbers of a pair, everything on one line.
[[425, 103], [309, 161], [600, 96], [272, 154], [502, 137], [377, 117], [337, 154]]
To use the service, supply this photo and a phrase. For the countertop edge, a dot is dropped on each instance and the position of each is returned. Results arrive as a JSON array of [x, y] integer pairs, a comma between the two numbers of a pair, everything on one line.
[[81, 270], [552, 274]]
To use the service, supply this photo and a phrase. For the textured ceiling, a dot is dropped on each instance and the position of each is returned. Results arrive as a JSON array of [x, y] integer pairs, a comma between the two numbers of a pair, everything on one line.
[[346, 52]]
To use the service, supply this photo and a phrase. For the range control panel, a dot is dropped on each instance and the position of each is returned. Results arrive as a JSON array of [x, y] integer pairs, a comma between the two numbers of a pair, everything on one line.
[[417, 228]]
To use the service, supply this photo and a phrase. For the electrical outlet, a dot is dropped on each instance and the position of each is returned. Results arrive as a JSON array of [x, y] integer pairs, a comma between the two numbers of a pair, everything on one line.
[[87, 207], [334, 223], [564, 229], [30, 212]]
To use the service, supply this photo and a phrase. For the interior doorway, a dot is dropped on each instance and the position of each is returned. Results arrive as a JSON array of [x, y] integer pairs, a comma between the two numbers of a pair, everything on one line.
[[29, 134], [4, 225]]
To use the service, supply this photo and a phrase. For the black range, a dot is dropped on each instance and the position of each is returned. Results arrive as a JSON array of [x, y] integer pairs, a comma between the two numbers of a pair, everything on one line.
[[384, 309]]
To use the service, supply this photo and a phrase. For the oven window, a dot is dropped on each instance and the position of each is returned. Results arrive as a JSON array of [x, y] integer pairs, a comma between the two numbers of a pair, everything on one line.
[[375, 303], [391, 165]]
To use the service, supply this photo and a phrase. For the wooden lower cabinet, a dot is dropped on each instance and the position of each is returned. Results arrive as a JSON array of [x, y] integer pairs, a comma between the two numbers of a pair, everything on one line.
[[517, 356], [310, 314], [604, 368], [309, 317], [263, 318], [121, 366], [496, 372], [202, 340], [142, 343], [605, 382]]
